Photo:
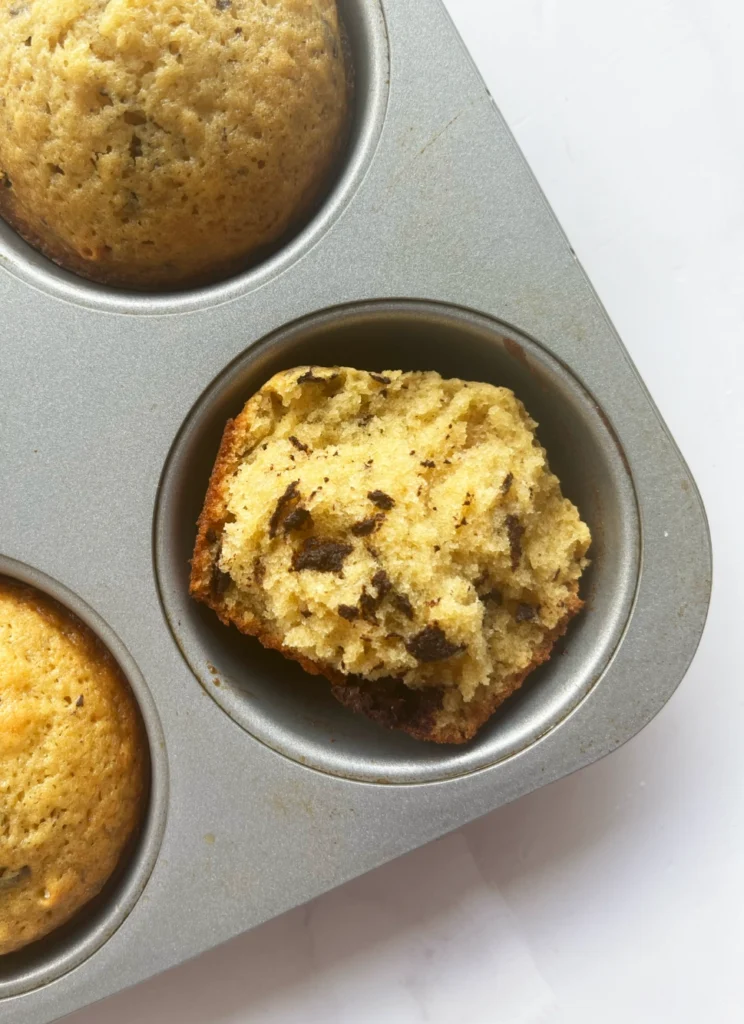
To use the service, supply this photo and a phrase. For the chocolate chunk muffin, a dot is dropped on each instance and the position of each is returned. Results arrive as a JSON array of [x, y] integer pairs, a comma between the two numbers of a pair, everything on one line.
[[399, 533], [163, 144], [73, 766]]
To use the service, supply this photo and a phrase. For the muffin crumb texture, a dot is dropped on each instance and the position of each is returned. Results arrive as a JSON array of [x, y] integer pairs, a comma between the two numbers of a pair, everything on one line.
[[400, 533], [161, 143], [73, 770]]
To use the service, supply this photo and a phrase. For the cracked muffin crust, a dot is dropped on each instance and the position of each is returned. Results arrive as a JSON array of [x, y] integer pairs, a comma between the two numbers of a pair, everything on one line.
[[73, 766], [399, 533], [163, 143]]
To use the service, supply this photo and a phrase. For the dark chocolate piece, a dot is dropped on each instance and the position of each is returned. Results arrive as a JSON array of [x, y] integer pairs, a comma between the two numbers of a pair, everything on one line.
[[298, 519], [515, 531], [298, 444], [348, 611], [291, 494], [310, 378], [431, 644], [220, 581], [369, 605], [382, 500], [379, 378], [403, 605], [428, 464], [508, 481], [391, 703], [367, 526], [525, 613], [381, 581], [80, 701], [321, 555]]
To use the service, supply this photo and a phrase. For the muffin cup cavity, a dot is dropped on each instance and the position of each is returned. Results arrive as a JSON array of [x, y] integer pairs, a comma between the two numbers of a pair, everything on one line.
[[294, 713], [70, 945], [365, 33]]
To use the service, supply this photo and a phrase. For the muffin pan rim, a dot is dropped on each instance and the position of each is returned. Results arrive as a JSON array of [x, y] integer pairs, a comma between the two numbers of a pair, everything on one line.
[[142, 859], [246, 711], [29, 265]]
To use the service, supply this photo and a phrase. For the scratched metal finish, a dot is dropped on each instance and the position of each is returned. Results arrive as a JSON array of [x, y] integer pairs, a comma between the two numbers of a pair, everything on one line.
[[435, 250]]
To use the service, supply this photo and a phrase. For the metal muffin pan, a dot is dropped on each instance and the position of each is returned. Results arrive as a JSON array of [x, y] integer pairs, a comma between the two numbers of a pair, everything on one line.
[[437, 250]]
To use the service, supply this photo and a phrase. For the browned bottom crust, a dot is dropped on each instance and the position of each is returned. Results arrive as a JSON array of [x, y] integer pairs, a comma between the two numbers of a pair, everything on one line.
[[418, 712], [98, 270]]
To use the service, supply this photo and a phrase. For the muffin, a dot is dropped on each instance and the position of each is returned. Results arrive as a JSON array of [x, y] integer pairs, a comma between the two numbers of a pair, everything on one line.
[[400, 534], [169, 143], [73, 766]]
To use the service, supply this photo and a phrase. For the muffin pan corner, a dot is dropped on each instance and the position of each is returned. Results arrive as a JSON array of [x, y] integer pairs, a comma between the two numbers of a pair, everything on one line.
[[436, 250]]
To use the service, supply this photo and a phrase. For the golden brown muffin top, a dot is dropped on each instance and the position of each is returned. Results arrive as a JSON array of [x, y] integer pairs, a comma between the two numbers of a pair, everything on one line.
[[152, 143], [73, 765]]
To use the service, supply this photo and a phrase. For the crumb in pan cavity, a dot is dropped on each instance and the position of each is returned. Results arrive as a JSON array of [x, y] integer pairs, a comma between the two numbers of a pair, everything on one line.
[[422, 529]]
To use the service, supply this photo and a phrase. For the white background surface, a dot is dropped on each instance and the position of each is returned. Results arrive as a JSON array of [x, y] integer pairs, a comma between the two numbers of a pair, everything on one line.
[[616, 895]]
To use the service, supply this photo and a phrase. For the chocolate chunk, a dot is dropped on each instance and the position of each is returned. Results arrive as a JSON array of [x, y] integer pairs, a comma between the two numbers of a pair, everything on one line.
[[291, 494], [382, 500], [368, 605], [379, 378], [428, 464], [220, 581], [525, 613], [321, 555], [310, 378], [381, 581], [298, 444], [431, 644], [298, 519], [9, 879], [508, 481], [367, 526], [403, 605], [80, 701], [391, 703], [259, 571], [348, 611], [305, 613], [515, 531]]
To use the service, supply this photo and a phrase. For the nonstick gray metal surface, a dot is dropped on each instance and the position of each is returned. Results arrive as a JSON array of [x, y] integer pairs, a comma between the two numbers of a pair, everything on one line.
[[435, 250]]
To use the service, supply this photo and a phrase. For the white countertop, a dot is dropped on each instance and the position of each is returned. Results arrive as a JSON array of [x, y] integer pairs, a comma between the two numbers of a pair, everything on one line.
[[615, 896]]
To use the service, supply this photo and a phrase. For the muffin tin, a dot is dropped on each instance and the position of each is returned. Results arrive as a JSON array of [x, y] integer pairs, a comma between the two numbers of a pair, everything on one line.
[[435, 250]]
